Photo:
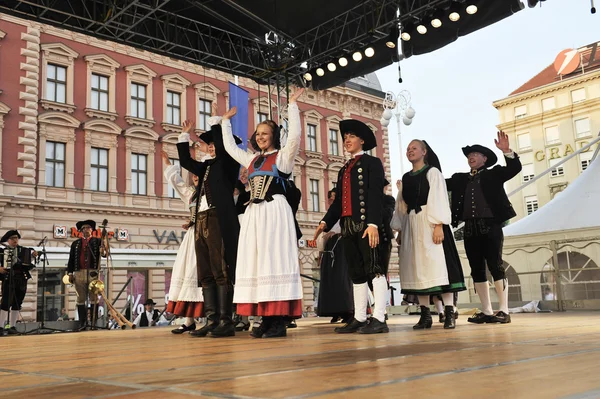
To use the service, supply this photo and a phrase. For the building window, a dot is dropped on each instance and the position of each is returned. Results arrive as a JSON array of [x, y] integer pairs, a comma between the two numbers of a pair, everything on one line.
[[548, 104], [524, 141], [139, 172], [314, 195], [99, 92], [520, 111], [333, 142], [578, 95], [172, 192], [138, 100], [56, 83], [99, 169], [531, 204], [582, 127], [262, 117], [173, 108], [312, 138], [204, 113], [55, 164], [333, 184], [527, 172], [585, 159], [559, 170], [552, 135]]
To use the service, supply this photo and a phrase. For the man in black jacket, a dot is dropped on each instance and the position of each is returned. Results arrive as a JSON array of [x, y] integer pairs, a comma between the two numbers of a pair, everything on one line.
[[216, 225], [358, 203], [83, 265], [14, 273], [479, 199]]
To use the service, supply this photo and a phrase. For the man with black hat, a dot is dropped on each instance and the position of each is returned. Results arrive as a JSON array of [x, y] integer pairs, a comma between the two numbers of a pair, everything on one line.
[[358, 204], [150, 316], [479, 199], [217, 226], [14, 273], [84, 264]]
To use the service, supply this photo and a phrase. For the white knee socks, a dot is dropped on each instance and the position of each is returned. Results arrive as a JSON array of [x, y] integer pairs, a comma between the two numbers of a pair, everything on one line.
[[380, 293], [360, 301], [3, 318], [484, 296], [14, 316], [502, 291], [439, 306]]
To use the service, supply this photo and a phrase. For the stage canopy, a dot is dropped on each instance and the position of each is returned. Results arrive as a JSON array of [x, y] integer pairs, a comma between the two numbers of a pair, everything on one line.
[[269, 40]]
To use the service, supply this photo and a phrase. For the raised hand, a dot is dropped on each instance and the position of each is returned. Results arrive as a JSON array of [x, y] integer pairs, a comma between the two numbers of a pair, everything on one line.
[[187, 125], [399, 184], [213, 108], [502, 142], [165, 158], [230, 113], [296, 95]]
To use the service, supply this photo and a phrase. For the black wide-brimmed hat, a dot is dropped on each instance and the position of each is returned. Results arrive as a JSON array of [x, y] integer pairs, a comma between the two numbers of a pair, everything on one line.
[[9, 234], [207, 136], [361, 130], [491, 157], [82, 223], [149, 302]]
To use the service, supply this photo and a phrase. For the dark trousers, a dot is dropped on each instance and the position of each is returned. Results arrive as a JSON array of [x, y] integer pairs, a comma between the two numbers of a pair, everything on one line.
[[13, 294], [483, 245], [363, 261], [209, 250]]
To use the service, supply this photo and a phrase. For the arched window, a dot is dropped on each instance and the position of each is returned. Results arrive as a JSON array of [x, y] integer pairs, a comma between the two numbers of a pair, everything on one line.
[[579, 277]]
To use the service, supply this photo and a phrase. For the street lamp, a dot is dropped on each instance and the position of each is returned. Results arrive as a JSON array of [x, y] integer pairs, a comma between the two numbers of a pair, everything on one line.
[[399, 106]]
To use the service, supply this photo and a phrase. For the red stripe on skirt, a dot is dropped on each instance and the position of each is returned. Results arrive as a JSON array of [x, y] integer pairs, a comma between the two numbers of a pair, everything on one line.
[[186, 309], [291, 308]]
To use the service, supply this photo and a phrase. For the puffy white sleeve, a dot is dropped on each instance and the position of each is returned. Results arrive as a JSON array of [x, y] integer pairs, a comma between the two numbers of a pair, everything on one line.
[[242, 157], [287, 155], [173, 176], [399, 212], [438, 204]]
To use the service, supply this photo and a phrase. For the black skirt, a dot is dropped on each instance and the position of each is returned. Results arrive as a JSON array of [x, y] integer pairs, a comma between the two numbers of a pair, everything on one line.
[[335, 290]]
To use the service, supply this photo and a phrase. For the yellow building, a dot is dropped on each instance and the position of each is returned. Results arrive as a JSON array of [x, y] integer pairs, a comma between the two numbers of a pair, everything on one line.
[[548, 118]]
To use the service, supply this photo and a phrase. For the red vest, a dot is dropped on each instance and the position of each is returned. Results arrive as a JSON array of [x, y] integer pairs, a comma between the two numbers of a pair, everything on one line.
[[347, 188]]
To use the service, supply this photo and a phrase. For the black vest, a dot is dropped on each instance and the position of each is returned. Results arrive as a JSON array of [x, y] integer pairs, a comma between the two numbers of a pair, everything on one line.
[[144, 319]]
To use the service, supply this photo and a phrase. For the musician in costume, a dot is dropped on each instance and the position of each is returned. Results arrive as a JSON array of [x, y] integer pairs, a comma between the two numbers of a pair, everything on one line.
[[185, 297], [216, 226], [150, 317], [268, 275], [429, 262], [358, 206], [84, 266], [479, 199], [15, 263]]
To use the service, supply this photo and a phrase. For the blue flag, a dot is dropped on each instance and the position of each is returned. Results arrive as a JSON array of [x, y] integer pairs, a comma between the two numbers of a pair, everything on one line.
[[238, 97]]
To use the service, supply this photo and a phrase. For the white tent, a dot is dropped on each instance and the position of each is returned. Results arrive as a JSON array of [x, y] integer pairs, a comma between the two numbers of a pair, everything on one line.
[[574, 208]]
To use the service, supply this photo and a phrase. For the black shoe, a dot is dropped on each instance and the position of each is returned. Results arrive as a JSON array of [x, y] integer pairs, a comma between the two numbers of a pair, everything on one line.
[[455, 314], [347, 319], [258, 329], [351, 327], [13, 330], [374, 327], [334, 319], [183, 328], [425, 321], [277, 328], [292, 324], [449, 322], [226, 328], [480, 318], [203, 332], [500, 317], [242, 326], [442, 317]]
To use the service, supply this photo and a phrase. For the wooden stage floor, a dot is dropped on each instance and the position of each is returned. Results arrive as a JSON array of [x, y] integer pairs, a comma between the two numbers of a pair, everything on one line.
[[552, 355]]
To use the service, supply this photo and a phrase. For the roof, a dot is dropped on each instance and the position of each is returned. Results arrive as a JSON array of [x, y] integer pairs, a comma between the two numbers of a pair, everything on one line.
[[548, 75], [368, 83], [574, 208]]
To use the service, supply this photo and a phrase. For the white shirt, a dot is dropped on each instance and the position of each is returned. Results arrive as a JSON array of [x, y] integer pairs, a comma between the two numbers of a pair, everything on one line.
[[149, 316]]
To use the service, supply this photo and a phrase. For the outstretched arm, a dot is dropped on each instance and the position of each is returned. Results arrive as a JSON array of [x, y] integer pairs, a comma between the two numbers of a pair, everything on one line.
[[287, 155], [241, 156], [185, 159], [513, 163]]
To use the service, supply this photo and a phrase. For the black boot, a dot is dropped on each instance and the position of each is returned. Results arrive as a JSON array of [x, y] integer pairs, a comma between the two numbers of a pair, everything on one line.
[[211, 306], [425, 321], [449, 321], [226, 327], [82, 313], [277, 328]]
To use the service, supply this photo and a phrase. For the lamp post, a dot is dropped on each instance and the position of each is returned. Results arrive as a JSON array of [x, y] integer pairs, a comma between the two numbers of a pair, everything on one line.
[[399, 106]]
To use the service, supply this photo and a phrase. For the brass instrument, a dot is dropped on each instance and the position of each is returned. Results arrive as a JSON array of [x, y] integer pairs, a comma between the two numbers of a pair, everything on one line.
[[65, 280], [96, 287]]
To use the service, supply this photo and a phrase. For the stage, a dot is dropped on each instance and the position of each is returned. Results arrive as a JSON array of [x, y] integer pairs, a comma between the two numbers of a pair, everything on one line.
[[550, 355]]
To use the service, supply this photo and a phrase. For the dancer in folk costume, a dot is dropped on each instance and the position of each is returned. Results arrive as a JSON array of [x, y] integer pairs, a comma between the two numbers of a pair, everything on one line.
[[185, 297], [358, 205], [268, 271], [429, 262]]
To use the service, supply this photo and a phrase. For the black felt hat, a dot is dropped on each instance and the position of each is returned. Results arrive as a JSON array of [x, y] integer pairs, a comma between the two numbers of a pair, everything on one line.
[[82, 223], [9, 234], [149, 302], [489, 154], [361, 130], [207, 136]]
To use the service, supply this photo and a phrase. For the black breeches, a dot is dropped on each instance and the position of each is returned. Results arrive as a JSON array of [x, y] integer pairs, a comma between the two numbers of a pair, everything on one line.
[[363, 261], [13, 294], [485, 247]]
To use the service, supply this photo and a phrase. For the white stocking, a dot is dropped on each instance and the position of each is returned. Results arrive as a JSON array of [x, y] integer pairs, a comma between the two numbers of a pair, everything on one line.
[[360, 301], [14, 316], [439, 306], [380, 294], [3, 318], [484, 296], [502, 291]]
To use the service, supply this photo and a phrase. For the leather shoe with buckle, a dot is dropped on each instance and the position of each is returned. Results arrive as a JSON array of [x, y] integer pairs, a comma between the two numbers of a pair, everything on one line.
[[351, 327], [481, 318], [501, 318], [183, 328]]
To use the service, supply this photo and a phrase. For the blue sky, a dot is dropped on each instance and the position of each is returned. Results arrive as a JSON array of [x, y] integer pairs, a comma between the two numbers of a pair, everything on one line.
[[453, 88]]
